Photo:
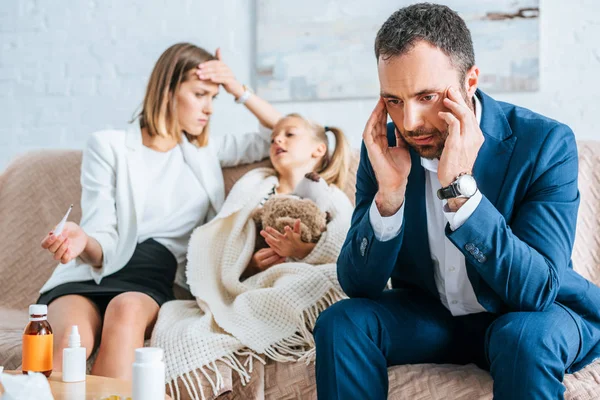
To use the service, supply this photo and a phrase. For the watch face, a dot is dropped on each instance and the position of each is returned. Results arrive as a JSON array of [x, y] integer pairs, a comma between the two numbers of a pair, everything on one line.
[[467, 185]]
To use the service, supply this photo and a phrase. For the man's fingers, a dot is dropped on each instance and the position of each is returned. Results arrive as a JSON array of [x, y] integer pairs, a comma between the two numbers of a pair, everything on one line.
[[400, 142], [455, 95], [218, 54], [459, 111], [457, 106], [452, 121], [376, 124]]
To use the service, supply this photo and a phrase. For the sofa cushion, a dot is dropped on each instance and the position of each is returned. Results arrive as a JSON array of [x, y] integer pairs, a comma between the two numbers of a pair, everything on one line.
[[420, 381], [12, 325], [586, 252], [35, 192]]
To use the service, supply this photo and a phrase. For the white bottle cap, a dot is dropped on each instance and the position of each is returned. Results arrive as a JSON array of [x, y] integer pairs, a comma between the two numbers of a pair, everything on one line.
[[38, 309], [74, 338], [148, 354]]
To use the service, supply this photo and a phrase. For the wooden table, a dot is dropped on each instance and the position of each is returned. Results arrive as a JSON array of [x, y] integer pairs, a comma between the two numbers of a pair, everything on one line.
[[94, 388]]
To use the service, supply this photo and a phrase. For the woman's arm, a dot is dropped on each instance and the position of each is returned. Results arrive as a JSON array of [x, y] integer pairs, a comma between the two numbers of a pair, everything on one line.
[[96, 235], [267, 115], [98, 201], [92, 254], [218, 72]]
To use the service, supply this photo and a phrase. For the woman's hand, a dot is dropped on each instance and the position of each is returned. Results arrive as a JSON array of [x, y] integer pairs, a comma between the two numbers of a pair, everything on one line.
[[288, 244], [218, 72], [68, 245]]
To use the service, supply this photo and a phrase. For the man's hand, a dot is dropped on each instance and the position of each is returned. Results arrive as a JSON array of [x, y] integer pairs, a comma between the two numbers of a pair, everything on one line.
[[390, 164], [464, 139]]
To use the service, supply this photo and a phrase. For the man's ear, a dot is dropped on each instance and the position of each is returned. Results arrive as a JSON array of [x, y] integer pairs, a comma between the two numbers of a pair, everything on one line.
[[472, 81], [320, 150]]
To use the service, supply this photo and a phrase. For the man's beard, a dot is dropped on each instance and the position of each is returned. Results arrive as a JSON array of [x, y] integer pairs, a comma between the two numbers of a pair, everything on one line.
[[430, 151], [434, 150]]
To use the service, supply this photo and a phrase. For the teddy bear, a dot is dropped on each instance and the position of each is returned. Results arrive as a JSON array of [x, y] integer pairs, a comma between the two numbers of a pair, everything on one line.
[[309, 203]]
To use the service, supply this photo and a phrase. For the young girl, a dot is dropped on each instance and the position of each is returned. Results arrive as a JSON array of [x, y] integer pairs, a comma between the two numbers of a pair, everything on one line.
[[144, 190], [264, 302], [299, 146]]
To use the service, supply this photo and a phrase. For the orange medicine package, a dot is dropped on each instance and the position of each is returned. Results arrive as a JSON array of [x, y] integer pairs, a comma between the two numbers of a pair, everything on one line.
[[37, 352]]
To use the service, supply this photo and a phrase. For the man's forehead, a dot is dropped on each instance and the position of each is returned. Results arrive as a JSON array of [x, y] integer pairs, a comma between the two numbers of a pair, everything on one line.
[[407, 77]]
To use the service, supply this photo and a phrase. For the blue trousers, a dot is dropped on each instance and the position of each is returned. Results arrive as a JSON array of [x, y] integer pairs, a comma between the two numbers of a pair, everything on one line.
[[357, 339]]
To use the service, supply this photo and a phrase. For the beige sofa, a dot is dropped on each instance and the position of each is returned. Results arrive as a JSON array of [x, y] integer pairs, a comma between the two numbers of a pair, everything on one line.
[[36, 189]]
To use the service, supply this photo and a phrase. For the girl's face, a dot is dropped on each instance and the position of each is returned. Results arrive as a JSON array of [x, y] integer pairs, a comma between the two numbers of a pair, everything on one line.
[[194, 104], [295, 145]]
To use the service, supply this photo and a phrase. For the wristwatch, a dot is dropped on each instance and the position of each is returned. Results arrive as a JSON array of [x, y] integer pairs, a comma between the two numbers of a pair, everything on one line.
[[463, 187], [245, 96]]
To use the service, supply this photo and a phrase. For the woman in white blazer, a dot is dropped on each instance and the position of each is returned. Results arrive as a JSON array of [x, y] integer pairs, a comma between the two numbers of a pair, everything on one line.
[[143, 192]]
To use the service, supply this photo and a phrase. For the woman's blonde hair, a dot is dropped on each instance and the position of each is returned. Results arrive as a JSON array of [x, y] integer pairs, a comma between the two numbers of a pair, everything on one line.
[[335, 167], [159, 109]]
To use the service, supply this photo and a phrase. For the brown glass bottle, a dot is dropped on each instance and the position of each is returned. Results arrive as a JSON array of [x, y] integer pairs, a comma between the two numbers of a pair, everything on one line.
[[38, 342]]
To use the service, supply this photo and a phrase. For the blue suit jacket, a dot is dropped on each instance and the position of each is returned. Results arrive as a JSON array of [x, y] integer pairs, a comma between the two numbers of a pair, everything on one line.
[[517, 243]]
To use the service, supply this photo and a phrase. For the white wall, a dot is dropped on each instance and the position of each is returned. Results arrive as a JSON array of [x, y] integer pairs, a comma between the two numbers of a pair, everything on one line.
[[68, 68]]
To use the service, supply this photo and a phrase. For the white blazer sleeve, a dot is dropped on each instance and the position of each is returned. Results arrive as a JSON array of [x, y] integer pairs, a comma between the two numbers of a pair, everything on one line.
[[98, 203], [234, 150]]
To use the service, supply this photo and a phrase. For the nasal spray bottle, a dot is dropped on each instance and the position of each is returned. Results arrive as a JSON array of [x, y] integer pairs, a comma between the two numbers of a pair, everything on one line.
[[73, 365]]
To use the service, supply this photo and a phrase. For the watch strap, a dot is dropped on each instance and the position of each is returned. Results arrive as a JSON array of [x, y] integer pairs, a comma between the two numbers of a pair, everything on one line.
[[448, 192]]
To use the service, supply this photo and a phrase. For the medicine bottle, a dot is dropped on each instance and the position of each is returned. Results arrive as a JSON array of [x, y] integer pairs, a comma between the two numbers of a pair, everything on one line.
[[38, 341], [148, 374]]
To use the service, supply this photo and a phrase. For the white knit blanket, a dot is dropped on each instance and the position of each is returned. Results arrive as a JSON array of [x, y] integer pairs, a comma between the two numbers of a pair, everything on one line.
[[233, 321]]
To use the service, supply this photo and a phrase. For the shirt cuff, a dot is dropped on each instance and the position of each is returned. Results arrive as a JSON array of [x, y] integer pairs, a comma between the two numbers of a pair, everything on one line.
[[458, 218], [385, 228]]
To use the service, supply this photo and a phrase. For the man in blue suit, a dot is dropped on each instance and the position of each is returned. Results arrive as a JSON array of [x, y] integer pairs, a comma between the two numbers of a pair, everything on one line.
[[469, 205]]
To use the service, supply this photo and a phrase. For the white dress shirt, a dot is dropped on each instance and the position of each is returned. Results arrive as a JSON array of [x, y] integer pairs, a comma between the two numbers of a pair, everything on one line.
[[450, 273]]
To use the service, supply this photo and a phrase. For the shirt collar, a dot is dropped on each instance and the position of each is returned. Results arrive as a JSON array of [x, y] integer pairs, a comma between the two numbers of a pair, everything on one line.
[[432, 165]]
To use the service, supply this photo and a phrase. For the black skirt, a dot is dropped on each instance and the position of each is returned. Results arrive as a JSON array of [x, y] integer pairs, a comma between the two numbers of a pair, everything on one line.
[[151, 270]]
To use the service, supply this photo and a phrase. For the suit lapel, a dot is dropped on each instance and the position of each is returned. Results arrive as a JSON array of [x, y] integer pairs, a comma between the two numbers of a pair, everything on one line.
[[135, 165], [495, 154], [491, 165]]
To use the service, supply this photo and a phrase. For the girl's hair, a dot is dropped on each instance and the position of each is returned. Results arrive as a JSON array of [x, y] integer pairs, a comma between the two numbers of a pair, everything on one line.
[[335, 167], [159, 109]]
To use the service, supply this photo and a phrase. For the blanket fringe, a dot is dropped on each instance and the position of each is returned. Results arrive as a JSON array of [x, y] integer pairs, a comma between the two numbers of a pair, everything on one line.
[[300, 347], [216, 383]]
